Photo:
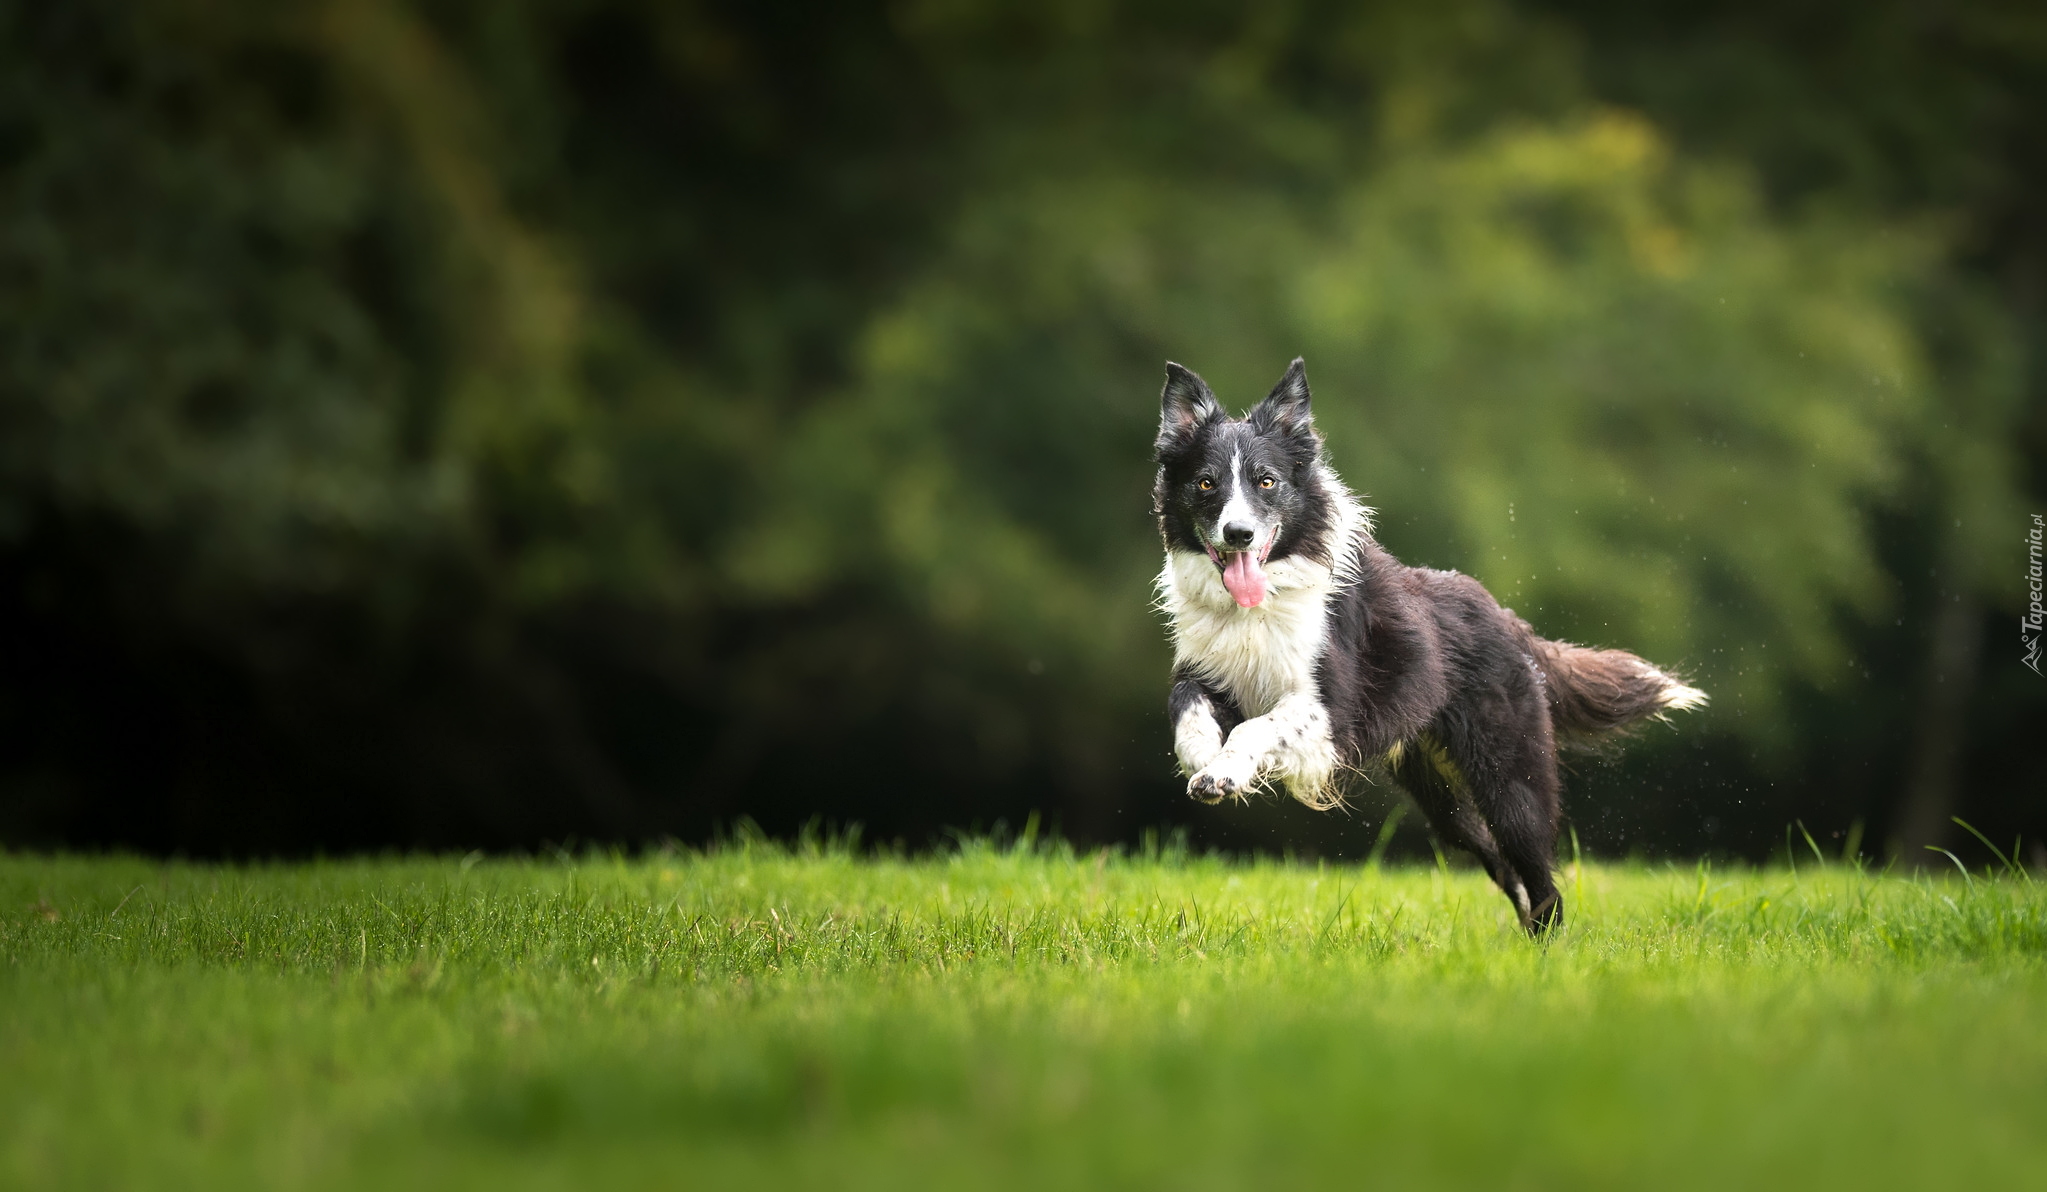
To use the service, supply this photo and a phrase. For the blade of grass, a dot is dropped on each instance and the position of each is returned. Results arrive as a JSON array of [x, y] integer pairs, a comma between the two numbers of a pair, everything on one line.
[[1811, 843], [1385, 837], [1966, 876], [2009, 864], [1851, 848]]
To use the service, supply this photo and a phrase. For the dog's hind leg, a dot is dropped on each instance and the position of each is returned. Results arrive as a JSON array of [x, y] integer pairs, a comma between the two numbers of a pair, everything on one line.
[[1508, 759], [1425, 771]]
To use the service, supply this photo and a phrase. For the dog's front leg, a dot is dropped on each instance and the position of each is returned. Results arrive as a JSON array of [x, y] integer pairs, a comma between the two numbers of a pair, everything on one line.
[[1201, 719], [1291, 743]]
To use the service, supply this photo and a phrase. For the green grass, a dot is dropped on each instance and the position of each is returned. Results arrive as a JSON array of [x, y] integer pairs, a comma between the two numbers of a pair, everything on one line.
[[1024, 1017]]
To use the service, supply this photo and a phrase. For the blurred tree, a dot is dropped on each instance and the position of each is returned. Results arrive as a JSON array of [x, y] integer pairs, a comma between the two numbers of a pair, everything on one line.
[[450, 423]]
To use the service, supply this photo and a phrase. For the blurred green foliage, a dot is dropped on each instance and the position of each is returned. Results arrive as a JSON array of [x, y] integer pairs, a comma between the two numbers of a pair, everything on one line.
[[802, 364]]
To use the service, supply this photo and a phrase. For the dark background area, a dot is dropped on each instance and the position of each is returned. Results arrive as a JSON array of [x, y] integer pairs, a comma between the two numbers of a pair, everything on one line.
[[448, 425]]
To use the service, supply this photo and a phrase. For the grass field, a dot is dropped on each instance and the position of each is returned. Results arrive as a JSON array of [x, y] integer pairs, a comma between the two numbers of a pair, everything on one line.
[[1011, 1017]]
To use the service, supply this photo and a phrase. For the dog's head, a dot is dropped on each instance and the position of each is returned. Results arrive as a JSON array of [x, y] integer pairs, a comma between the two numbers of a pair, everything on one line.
[[1243, 491]]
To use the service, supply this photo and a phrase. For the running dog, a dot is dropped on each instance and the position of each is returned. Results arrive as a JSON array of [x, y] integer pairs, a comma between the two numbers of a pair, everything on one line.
[[1303, 651]]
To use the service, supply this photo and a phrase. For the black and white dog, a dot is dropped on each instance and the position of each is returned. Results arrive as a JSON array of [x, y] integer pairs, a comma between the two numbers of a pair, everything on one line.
[[1303, 651]]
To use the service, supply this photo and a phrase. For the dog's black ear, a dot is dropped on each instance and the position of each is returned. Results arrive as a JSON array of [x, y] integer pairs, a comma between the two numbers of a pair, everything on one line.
[[1185, 405], [1285, 409]]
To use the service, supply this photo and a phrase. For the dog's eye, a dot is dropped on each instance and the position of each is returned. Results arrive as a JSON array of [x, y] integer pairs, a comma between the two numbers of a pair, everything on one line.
[[1206, 484], [1266, 482]]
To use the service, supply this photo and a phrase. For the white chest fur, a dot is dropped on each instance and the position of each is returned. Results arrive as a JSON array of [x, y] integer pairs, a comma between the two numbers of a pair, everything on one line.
[[1259, 655]]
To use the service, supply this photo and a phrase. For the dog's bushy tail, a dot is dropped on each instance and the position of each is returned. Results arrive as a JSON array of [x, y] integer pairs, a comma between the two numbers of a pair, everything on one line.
[[1595, 692]]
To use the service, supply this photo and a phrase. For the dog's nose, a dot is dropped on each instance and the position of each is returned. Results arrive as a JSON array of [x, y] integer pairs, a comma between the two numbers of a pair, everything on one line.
[[1238, 535]]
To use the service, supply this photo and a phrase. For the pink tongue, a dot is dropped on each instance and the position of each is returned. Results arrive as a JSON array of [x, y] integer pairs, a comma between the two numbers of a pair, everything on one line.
[[1245, 579]]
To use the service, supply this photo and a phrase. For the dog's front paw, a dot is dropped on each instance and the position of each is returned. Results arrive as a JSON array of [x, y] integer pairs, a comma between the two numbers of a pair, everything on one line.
[[1227, 777], [1196, 755]]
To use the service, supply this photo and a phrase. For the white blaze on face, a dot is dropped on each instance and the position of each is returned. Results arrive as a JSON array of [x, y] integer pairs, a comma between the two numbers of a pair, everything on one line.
[[1238, 507], [1243, 571]]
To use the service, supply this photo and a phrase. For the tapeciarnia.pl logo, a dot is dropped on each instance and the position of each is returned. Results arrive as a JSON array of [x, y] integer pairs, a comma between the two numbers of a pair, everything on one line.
[[2029, 625]]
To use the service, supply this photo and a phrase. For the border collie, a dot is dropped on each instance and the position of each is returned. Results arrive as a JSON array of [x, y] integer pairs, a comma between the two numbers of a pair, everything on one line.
[[1303, 652]]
